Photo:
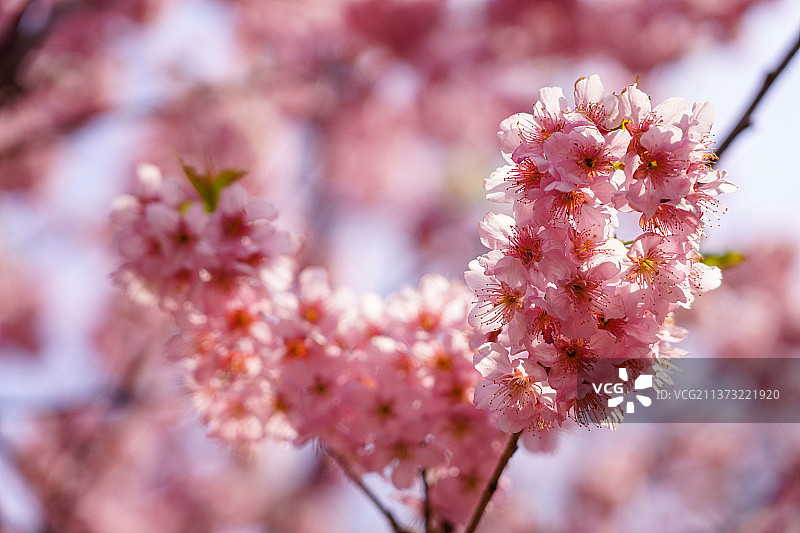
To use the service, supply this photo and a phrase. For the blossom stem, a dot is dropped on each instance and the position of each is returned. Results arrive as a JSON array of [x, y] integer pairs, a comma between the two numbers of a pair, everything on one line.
[[491, 485], [745, 121], [356, 479]]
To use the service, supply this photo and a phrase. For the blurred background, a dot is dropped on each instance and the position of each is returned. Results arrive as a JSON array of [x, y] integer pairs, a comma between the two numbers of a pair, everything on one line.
[[371, 124]]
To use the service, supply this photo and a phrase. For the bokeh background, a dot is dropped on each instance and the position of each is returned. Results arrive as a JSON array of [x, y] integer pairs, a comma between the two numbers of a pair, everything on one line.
[[371, 124]]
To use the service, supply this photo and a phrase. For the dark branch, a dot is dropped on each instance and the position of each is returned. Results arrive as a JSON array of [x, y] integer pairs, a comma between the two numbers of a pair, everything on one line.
[[427, 503], [491, 485], [18, 44], [356, 479], [745, 121]]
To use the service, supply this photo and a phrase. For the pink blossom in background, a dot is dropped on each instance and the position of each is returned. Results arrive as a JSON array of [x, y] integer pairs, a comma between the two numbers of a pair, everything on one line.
[[365, 129], [20, 308]]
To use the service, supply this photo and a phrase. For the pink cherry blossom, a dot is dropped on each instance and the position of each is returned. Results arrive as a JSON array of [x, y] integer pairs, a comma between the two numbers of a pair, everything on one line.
[[557, 288], [512, 387]]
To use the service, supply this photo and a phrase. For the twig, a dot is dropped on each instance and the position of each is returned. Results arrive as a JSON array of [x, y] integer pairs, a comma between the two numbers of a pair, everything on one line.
[[745, 121], [13, 49], [352, 476], [17, 45], [427, 504], [491, 485]]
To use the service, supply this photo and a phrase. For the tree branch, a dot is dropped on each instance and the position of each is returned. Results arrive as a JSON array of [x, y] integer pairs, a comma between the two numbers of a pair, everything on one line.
[[352, 476], [745, 121], [427, 503], [491, 485], [17, 45]]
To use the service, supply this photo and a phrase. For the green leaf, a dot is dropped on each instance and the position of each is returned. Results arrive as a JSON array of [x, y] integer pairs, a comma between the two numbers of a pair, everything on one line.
[[726, 260], [226, 177], [209, 185]]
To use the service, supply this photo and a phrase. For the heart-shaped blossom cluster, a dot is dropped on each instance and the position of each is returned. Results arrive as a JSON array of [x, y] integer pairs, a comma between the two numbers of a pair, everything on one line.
[[559, 294]]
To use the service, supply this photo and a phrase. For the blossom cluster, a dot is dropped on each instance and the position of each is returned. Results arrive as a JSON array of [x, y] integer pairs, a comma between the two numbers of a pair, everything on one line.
[[560, 297], [390, 385], [384, 385]]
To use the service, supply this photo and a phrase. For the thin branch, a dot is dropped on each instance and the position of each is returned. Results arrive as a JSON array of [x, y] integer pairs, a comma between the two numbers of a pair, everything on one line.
[[13, 49], [427, 503], [491, 485], [745, 121], [18, 45], [352, 476]]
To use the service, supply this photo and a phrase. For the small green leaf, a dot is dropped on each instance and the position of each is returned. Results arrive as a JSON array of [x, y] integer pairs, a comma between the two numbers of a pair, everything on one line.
[[226, 177], [726, 260], [202, 185], [209, 185]]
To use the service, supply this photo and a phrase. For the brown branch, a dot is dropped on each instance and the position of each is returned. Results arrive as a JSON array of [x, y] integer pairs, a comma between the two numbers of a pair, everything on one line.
[[745, 121], [356, 479], [427, 503], [491, 485], [13, 49], [17, 45]]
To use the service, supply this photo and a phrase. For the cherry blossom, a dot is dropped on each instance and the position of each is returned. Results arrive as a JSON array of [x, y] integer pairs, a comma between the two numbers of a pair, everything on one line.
[[557, 288]]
